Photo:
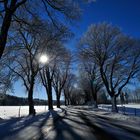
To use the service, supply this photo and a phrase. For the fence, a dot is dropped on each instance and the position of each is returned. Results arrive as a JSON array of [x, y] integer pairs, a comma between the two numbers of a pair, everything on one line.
[[123, 110]]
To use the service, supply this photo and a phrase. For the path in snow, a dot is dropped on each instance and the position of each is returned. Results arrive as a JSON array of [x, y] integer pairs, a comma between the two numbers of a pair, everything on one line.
[[80, 124], [72, 124]]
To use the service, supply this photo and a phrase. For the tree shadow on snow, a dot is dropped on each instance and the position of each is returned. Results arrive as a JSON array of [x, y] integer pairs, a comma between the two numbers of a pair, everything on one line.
[[22, 128]]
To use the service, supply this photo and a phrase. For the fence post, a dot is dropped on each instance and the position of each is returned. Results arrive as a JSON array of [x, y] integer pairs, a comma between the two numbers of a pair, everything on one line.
[[124, 110], [45, 108], [19, 112]]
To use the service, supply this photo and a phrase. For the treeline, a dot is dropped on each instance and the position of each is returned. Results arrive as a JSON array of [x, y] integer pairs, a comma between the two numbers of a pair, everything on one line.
[[13, 100], [10, 100]]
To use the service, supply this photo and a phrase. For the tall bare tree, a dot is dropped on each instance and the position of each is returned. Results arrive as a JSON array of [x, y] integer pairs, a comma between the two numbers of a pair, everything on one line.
[[26, 66], [61, 74], [54, 50], [68, 88], [90, 73], [116, 55]]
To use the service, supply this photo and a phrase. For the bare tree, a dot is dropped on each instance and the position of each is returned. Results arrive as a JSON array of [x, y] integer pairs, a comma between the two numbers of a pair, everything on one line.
[[61, 74], [54, 51], [90, 74], [11, 11], [26, 66], [68, 88], [116, 55], [7, 10]]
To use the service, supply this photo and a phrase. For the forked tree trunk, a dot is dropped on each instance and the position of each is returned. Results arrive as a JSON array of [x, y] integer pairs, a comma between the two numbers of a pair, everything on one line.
[[114, 104]]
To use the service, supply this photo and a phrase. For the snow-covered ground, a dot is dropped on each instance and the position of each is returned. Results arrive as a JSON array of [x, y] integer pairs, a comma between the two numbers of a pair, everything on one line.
[[118, 116], [95, 123], [126, 105], [128, 109], [7, 112], [108, 114], [131, 105]]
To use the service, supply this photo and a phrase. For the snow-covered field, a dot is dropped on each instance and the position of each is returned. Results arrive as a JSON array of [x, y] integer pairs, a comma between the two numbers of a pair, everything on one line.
[[126, 105], [127, 109], [7, 112], [131, 105]]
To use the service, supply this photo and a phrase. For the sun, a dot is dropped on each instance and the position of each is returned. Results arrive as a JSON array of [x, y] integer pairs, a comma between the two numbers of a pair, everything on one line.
[[44, 59]]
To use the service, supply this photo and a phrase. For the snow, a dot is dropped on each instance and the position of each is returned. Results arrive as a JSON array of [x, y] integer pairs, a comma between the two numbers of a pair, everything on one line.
[[118, 116], [127, 109], [72, 124], [28, 127], [131, 105], [108, 114], [126, 105], [7, 112]]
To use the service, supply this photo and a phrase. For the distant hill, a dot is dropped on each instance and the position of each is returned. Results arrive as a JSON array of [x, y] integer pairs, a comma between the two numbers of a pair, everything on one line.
[[14, 100]]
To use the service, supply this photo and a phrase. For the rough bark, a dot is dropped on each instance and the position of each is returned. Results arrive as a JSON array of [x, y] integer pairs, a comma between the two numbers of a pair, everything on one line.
[[49, 94], [4, 31], [58, 101], [30, 101], [114, 104]]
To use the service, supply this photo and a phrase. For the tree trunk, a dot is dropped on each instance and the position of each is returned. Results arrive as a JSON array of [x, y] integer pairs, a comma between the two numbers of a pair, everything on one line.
[[50, 102], [95, 100], [65, 100], [95, 104], [58, 101], [30, 101], [68, 102], [4, 31], [49, 94], [114, 104]]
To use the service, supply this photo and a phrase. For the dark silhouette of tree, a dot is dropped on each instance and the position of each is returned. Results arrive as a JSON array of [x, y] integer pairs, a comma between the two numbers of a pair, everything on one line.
[[68, 87], [12, 11], [89, 73], [116, 55], [61, 74], [54, 50], [26, 65]]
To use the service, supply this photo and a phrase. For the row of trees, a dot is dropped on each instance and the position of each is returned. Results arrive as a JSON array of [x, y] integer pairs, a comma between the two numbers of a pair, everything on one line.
[[23, 57], [29, 29], [110, 60]]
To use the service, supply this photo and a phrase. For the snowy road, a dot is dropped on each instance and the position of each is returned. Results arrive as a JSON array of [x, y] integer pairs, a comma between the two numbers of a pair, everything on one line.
[[73, 124], [85, 125]]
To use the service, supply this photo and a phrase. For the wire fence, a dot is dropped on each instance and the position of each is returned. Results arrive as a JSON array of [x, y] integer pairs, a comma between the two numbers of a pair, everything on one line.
[[123, 110]]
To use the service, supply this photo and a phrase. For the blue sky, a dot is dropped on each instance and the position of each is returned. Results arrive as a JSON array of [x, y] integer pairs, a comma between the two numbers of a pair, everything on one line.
[[122, 13]]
